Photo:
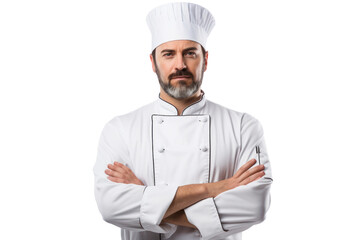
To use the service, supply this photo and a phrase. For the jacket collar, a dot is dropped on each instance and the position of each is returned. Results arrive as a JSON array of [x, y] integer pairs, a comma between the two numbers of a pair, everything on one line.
[[166, 108]]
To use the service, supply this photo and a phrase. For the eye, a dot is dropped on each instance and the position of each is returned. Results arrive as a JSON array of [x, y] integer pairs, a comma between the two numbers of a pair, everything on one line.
[[190, 54], [167, 54]]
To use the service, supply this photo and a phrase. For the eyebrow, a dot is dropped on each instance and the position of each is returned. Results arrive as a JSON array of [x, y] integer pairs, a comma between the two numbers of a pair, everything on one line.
[[190, 49], [185, 50]]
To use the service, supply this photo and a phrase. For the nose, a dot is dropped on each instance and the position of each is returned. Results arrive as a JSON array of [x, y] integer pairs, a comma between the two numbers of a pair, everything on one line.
[[180, 63]]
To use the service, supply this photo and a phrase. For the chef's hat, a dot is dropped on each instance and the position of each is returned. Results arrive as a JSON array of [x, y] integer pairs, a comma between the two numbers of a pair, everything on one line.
[[179, 21]]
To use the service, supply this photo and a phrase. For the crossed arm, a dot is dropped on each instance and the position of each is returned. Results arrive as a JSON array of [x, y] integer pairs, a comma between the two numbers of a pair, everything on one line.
[[188, 195]]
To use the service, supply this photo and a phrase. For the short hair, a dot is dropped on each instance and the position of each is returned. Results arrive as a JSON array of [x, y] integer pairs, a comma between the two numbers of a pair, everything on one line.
[[153, 53]]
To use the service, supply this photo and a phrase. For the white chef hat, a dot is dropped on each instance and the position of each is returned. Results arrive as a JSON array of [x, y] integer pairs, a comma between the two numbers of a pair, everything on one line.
[[179, 21]]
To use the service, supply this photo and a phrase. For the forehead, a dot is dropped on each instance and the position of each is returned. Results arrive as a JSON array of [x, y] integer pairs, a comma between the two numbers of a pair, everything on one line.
[[178, 45]]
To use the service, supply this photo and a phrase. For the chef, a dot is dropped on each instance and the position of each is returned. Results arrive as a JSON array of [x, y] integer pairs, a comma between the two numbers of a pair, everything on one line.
[[182, 167]]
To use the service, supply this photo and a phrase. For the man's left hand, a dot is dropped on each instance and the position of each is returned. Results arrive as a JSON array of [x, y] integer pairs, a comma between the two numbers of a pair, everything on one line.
[[120, 173]]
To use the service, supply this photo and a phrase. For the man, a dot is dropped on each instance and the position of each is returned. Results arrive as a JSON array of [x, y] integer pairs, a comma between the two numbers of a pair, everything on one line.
[[182, 167]]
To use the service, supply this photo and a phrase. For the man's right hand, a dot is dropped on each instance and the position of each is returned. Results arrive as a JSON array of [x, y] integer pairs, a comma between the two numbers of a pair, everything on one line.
[[243, 176]]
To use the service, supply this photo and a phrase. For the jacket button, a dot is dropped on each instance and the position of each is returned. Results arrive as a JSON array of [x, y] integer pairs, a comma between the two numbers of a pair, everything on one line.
[[204, 119], [161, 150], [204, 149]]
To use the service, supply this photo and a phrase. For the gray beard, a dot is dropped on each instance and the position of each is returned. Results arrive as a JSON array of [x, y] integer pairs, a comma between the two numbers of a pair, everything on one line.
[[182, 91]]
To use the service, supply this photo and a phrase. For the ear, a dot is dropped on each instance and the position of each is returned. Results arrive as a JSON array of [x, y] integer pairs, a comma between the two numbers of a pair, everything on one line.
[[206, 60], [152, 63]]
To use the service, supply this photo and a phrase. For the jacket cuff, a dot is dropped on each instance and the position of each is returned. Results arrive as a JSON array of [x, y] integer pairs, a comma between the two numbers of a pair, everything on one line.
[[154, 204], [205, 217]]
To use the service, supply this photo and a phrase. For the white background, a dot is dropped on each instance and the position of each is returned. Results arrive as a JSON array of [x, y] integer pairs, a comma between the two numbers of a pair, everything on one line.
[[67, 67]]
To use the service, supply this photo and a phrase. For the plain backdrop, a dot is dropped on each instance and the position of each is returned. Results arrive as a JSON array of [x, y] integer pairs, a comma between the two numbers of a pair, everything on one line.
[[67, 67]]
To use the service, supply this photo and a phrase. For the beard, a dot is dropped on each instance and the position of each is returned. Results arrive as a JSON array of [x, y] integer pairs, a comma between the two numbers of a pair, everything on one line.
[[182, 90]]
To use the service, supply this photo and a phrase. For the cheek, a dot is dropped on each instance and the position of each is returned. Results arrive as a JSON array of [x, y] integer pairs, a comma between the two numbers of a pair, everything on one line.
[[199, 69], [162, 72], [196, 66], [164, 69]]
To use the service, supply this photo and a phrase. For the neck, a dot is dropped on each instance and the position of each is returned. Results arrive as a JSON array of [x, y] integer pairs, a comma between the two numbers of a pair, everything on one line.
[[180, 104]]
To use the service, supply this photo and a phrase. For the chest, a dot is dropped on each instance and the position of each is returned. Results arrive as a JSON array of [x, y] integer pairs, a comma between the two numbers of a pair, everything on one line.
[[180, 150]]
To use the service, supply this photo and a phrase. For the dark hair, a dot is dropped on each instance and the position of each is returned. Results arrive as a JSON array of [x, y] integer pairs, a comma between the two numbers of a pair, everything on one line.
[[153, 53]]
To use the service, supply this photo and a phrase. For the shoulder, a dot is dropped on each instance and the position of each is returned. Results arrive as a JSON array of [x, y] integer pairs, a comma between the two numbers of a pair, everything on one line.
[[215, 107], [243, 118], [125, 120], [222, 110]]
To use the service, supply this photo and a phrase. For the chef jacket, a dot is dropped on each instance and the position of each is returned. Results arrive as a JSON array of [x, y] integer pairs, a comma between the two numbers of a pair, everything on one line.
[[207, 143]]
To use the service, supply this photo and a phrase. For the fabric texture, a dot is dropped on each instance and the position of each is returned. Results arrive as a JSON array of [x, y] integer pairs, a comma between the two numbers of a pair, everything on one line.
[[179, 21], [207, 143]]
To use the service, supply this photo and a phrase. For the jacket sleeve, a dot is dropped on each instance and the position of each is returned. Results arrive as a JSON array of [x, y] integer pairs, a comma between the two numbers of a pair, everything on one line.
[[128, 206], [240, 208]]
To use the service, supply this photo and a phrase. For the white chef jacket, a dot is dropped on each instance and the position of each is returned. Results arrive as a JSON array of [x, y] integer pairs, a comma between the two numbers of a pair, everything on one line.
[[207, 143]]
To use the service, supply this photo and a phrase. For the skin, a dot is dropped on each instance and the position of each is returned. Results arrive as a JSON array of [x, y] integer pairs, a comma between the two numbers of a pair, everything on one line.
[[172, 57], [176, 56], [189, 194]]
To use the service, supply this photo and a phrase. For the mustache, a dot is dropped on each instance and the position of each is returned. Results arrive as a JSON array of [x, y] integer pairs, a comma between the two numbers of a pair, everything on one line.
[[180, 73]]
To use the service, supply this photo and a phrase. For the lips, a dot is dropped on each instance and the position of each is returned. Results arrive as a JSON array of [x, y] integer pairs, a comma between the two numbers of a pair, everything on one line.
[[180, 77]]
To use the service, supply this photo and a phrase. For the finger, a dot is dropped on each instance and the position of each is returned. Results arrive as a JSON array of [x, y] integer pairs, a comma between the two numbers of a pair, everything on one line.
[[245, 167], [121, 165], [118, 164], [253, 178], [116, 168], [124, 168], [251, 171], [113, 173], [126, 173], [115, 179]]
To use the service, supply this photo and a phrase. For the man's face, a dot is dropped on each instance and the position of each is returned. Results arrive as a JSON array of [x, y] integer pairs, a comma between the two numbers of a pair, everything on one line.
[[180, 66]]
